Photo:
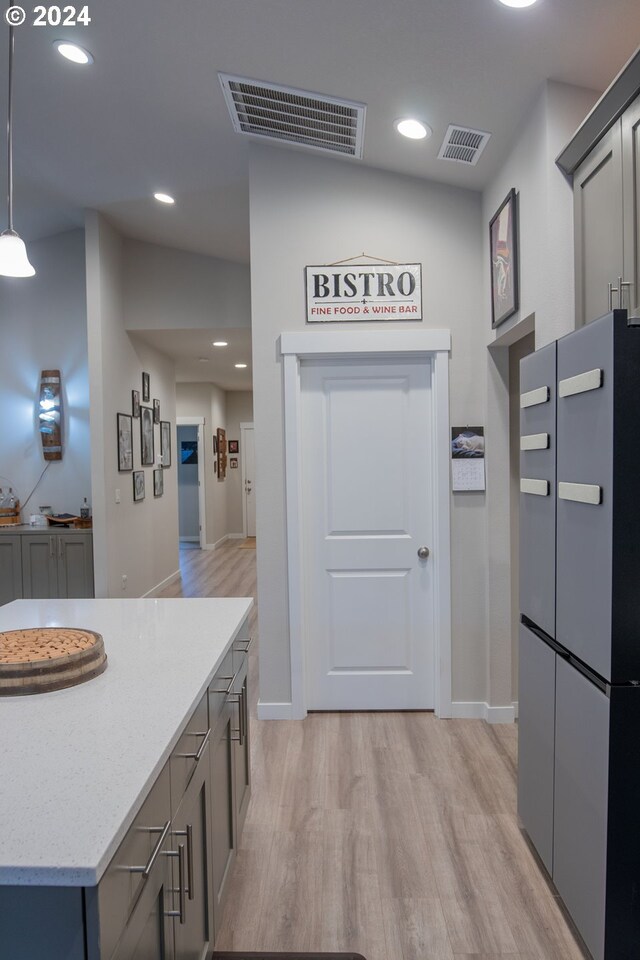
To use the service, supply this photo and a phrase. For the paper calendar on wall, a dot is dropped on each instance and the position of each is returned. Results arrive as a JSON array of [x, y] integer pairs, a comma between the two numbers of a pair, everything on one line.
[[467, 458]]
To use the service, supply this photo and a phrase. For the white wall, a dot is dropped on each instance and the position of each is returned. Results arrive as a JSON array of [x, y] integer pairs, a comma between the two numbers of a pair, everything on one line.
[[43, 325], [306, 210], [138, 540], [166, 288], [208, 401], [239, 410]]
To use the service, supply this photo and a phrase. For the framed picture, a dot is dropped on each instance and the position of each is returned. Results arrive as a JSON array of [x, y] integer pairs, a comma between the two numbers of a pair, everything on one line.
[[138, 485], [146, 436], [503, 247], [146, 388], [158, 483], [165, 443], [135, 403], [156, 411], [233, 463], [222, 453], [215, 445], [125, 441], [233, 446]]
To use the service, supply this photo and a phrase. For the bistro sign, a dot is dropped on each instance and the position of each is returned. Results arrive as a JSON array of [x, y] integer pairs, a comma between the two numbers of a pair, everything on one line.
[[364, 291]]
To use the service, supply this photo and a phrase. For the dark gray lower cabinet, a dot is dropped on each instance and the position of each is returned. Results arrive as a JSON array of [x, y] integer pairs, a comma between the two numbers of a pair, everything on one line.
[[222, 807], [536, 735], [10, 568], [57, 565]]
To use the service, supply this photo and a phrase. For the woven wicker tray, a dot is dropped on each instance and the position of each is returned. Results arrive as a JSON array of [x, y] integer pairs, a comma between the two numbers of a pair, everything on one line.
[[41, 659]]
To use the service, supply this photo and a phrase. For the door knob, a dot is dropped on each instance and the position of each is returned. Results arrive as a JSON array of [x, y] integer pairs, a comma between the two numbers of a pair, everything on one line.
[[423, 552]]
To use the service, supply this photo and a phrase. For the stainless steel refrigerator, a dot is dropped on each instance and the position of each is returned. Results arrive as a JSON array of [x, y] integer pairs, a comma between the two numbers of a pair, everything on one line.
[[579, 668]]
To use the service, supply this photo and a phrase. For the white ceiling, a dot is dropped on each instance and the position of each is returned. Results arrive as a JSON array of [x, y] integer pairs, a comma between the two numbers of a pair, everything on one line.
[[198, 361], [149, 114]]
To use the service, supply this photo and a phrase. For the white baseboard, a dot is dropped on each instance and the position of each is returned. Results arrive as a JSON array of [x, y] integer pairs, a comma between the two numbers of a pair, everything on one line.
[[275, 711], [159, 587], [189, 539], [515, 709], [218, 543], [236, 536], [478, 710]]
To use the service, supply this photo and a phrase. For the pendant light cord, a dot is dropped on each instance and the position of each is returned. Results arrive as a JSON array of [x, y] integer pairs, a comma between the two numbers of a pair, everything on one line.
[[10, 134]]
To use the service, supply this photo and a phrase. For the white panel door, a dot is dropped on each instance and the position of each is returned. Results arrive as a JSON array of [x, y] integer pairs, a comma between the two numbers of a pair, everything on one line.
[[367, 508], [249, 479]]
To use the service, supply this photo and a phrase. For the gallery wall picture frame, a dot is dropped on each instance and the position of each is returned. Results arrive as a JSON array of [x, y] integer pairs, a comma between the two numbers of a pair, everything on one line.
[[124, 425], [233, 446], [233, 463], [138, 485], [135, 403], [146, 437], [165, 443], [158, 483], [503, 253], [146, 387], [156, 411], [221, 434]]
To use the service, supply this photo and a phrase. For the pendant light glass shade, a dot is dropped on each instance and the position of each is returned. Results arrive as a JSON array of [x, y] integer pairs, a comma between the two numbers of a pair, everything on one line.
[[14, 261]]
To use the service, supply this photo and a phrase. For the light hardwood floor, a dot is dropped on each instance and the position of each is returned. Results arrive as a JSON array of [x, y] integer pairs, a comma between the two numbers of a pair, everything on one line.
[[393, 835]]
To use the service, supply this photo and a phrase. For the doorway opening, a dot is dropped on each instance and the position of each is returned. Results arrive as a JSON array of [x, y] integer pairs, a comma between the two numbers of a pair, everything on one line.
[[248, 480], [191, 501]]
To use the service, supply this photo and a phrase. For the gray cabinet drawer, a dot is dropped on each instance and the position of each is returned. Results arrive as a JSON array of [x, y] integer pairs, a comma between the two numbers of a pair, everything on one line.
[[120, 887], [189, 752], [220, 687]]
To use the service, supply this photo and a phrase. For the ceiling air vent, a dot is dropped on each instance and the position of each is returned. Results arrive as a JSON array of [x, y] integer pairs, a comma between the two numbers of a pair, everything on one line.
[[463, 145], [295, 116]]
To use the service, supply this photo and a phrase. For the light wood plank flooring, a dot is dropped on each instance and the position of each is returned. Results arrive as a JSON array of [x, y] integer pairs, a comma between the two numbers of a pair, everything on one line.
[[393, 835]]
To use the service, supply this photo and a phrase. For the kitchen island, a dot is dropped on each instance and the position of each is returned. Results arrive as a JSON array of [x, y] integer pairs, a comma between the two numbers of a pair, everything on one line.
[[97, 778]]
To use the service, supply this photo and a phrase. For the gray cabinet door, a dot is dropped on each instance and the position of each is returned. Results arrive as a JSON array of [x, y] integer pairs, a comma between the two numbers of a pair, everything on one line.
[[10, 568], [584, 537], [148, 934], [222, 806], [538, 504], [631, 191], [242, 758], [581, 789], [75, 565], [598, 216], [191, 828], [39, 566], [536, 742]]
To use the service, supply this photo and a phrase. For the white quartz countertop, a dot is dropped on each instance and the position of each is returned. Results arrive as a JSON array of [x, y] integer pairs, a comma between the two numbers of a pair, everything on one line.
[[76, 764]]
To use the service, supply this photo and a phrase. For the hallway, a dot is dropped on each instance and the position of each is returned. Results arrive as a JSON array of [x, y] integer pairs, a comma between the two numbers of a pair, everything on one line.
[[392, 834]]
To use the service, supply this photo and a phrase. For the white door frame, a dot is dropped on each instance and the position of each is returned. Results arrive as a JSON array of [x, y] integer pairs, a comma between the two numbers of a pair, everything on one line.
[[368, 344], [202, 520], [244, 425]]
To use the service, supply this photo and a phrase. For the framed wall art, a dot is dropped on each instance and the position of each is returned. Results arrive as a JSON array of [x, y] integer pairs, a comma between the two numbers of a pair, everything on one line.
[[125, 442], [503, 248], [146, 388], [156, 411], [158, 483], [135, 403], [233, 446], [222, 453], [146, 436], [165, 443], [138, 485]]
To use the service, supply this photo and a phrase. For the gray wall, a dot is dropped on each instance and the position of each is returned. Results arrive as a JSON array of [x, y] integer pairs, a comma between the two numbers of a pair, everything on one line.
[[308, 210], [43, 325]]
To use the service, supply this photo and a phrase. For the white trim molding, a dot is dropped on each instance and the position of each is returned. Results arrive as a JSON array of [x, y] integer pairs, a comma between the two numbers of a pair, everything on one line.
[[198, 422], [159, 587], [479, 710], [218, 543], [275, 711], [296, 347]]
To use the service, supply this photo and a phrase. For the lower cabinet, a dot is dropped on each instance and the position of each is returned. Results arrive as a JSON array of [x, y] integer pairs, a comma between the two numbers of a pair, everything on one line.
[[57, 565], [10, 568]]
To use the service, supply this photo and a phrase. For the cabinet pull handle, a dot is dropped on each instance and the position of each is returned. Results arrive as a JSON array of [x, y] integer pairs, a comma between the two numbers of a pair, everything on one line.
[[182, 902], [624, 283], [196, 756], [51, 554], [188, 833], [613, 290], [227, 690], [243, 649], [155, 853], [236, 732]]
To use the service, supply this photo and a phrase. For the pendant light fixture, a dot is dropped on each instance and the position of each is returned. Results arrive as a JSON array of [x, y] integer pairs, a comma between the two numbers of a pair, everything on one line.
[[14, 261]]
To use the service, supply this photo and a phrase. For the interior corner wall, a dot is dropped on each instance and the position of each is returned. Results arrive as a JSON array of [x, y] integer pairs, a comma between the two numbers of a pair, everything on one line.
[[210, 402], [44, 326], [166, 289], [546, 258], [136, 540], [306, 209], [239, 410]]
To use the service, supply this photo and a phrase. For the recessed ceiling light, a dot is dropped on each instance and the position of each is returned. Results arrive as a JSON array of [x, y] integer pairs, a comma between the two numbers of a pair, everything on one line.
[[413, 129], [518, 3], [220, 343], [164, 198], [241, 366], [71, 51]]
